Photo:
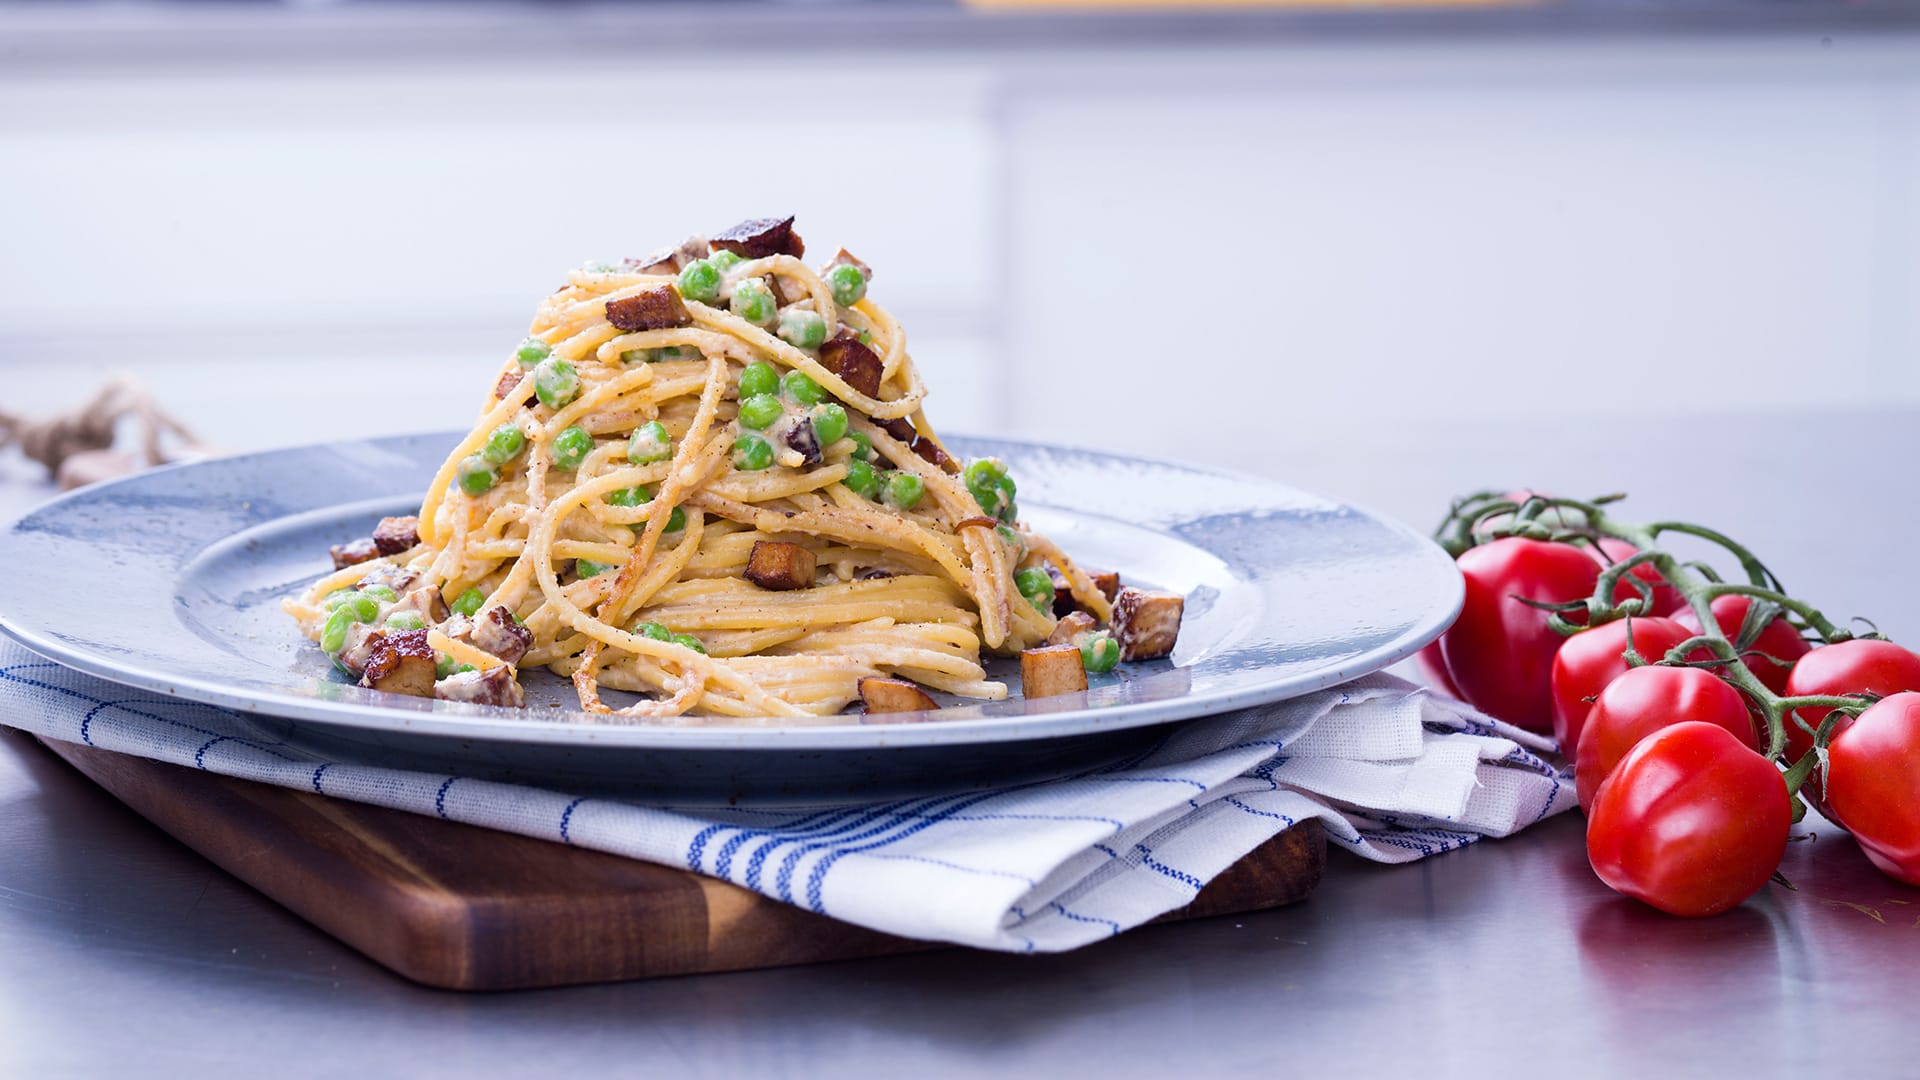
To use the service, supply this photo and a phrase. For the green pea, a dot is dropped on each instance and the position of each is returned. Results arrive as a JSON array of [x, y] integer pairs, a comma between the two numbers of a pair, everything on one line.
[[981, 470], [758, 378], [555, 382], [802, 329], [759, 411], [700, 280], [382, 593], [476, 476], [469, 603], [904, 490], [362, 608], [587, 568], [649, 443], [996, 497], [862, 446], [676, 520], [531, 352], [751, 453], [725, 260], [848, 284], [753, 301], [1099, 652], [571, 447], [866, 337], [801, 388], [829, 423], [335, 598], [1014, 540], [992, 488], [462, 669], [406, 620], [1005, 489], [690, 642], [653, 630], [503, 445], [333, 636], [442, 666], [1036, 585], [861, 479]]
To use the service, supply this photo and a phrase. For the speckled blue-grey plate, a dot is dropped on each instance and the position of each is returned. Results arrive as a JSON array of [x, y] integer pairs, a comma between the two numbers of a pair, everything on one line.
[[171, 580]]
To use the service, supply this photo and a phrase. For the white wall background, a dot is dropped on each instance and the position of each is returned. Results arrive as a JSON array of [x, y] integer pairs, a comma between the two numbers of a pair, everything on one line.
[[1273, 248]]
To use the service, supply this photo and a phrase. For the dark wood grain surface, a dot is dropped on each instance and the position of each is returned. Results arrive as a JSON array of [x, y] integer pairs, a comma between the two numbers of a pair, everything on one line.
[[461, 907]]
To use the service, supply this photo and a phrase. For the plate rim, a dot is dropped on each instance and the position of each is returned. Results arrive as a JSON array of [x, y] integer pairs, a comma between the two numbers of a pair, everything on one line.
[[559, 730]]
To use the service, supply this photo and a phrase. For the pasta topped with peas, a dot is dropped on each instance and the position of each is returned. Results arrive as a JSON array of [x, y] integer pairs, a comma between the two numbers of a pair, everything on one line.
[[706, 480]]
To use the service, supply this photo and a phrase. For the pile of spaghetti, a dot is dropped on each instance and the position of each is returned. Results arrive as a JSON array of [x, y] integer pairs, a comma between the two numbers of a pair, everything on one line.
[[706, 478]]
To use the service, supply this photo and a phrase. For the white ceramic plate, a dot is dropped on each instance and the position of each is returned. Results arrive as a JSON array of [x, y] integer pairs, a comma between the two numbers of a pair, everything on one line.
[[170, 581]]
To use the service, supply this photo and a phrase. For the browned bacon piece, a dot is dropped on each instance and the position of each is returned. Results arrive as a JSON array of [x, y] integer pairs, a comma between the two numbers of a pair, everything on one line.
[[760, 237], [1146, 623], [497, 633], [1070, 627], [495, 686], [1052, 670], [894, 696], [396, 534], [931, 453], [353, 554], [802, 439], [655, 309], [1062, 594], [401, 663], [900, 428], [509, 379], [843, 257], [1107, 581], [785, 291], [427, 601], [668, 260], [398, 578], [776, 564], [858, 365], [358, 648]]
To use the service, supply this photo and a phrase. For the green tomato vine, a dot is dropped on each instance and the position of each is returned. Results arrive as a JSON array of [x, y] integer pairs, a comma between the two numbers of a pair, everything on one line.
[[1491, 515]]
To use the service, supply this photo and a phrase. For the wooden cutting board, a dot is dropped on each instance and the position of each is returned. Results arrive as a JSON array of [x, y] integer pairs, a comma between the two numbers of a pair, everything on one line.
[[466, 908]]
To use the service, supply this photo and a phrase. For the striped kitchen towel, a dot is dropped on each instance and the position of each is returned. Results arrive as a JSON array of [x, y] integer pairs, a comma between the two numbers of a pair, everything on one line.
[[1394, 772]]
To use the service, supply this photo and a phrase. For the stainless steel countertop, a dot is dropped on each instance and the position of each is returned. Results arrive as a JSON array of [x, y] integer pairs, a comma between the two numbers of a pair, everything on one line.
[[120, 948]]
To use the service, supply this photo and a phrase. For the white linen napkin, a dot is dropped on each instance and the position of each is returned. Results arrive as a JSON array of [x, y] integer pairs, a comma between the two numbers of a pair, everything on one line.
[[1396, 773]]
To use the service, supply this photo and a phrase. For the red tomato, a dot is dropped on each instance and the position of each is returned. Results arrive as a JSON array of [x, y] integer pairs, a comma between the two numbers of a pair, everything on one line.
[[1861, 666], [1873, 774], [1591, 659], [1779, 640], [1692, 822], [1644, 701], [1500, 651], [1434, 668], [1666, 598]]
